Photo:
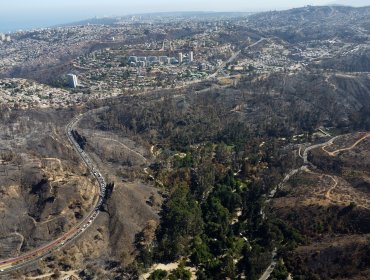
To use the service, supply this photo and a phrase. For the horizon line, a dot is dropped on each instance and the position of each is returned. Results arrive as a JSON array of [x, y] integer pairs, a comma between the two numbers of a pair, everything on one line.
[[82, 19]]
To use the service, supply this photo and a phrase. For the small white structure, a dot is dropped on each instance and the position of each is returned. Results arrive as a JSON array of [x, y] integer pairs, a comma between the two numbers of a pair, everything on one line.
[[72, 80]]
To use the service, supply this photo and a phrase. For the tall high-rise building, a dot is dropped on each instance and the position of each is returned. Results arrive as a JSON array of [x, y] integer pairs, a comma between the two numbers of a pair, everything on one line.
[[191, 56], [72, 80], [181, 57]]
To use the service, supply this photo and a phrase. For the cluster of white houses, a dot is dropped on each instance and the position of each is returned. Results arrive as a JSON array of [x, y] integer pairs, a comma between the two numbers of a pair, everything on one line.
[[5, 38], [144, 61]]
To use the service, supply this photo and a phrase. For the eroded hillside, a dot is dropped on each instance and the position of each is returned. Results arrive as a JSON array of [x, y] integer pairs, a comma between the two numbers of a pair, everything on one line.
[[329, 204]]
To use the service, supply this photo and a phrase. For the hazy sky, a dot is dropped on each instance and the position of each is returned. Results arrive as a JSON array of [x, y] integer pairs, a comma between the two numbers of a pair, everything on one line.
[[40, 13]]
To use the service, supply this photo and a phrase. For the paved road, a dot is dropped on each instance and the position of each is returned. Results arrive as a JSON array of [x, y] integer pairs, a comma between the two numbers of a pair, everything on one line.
[[270, 268], [33, 256], [222, 66], [267, 273], [232, 58], [307, 150]]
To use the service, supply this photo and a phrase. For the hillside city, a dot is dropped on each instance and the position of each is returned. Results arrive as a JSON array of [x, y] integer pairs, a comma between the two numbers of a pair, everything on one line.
[[197, 52], [187, 145]]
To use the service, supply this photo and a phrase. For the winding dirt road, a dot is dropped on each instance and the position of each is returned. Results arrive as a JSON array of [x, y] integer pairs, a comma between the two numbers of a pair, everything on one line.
[[305, 167], [334, 153]]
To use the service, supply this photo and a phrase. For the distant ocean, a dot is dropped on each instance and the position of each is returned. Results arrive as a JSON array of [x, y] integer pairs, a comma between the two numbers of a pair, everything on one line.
[[7, 25]]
